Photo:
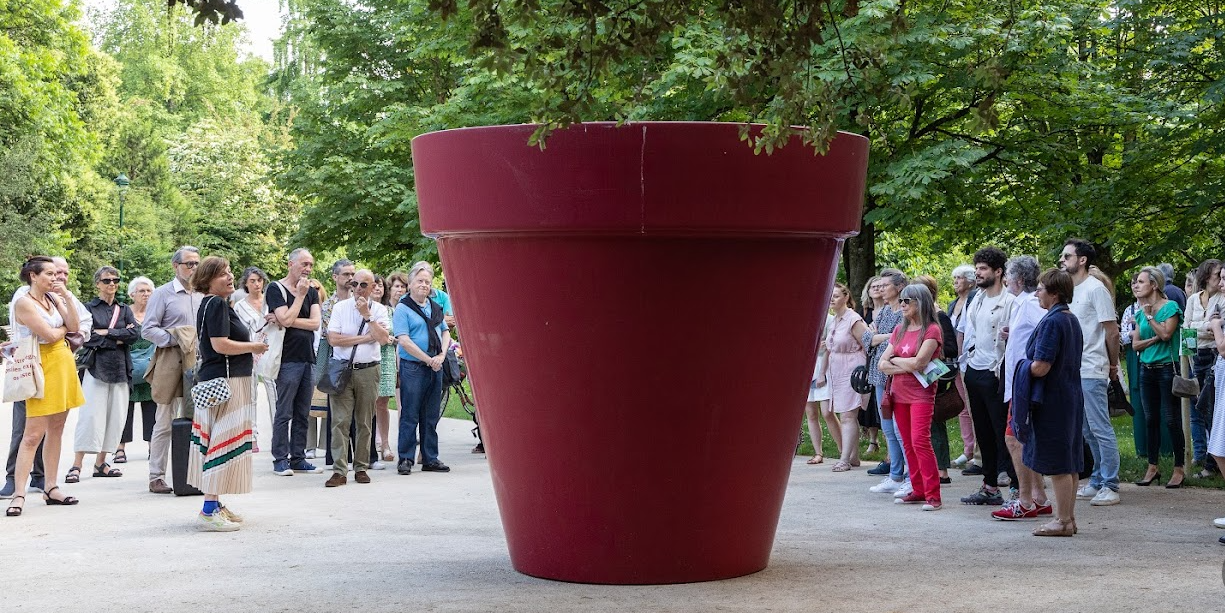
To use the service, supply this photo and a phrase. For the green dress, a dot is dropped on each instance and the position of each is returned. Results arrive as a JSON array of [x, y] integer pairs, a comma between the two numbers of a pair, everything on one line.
[[388, 368]]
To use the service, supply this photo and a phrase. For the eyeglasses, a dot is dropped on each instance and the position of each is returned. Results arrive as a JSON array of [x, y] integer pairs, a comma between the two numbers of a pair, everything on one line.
[[905, 300], [109, 281], [189, 264], [1067, 256], [362, 284]]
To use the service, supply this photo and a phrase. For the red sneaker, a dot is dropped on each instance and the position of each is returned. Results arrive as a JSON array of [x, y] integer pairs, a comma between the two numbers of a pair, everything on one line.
[[911, 498], [1012, 511], [1045, 509]]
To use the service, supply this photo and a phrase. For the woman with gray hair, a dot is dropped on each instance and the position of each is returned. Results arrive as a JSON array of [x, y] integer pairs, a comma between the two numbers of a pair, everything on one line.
[[965, 288], [914, 343], [139, 290], [884, 322], [107, 362]]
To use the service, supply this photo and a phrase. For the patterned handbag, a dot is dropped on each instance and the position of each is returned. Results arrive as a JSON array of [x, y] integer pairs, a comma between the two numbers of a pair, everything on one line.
[[214, 392], [211, 393]]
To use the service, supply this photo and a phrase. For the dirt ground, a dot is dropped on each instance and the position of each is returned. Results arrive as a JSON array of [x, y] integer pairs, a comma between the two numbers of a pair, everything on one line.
[[433, 542]]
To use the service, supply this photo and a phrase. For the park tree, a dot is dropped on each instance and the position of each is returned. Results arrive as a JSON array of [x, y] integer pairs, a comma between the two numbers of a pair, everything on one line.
[[1018, 123]]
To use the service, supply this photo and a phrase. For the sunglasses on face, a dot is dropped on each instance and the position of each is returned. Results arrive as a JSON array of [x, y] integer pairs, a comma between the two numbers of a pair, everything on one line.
[[905, 300], [361, 284], [109, 281]]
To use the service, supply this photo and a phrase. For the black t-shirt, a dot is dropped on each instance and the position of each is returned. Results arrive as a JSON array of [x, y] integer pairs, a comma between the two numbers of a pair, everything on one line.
[[217, 320], [299, 344]]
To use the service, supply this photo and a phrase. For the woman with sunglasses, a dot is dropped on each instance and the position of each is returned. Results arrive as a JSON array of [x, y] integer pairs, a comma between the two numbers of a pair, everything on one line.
[[912, 346], [105, 382]]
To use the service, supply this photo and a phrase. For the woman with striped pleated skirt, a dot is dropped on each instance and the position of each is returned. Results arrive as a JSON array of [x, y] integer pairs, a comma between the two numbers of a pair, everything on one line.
[[221, 434]]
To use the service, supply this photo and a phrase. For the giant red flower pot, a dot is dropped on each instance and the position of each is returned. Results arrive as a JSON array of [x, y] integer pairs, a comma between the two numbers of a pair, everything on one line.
[[640, 308]]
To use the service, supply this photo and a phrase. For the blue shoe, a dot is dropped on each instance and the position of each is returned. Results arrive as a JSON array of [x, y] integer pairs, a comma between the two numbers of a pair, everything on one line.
[[37, 484], [302, 466], [281, 467], [881, 469], [8, 489]]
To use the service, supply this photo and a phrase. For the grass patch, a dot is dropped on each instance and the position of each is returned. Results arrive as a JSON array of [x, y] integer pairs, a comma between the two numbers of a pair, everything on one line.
[[454, 409]]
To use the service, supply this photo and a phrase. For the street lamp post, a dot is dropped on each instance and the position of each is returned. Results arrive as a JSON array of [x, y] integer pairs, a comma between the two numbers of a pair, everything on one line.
[[122, 183]]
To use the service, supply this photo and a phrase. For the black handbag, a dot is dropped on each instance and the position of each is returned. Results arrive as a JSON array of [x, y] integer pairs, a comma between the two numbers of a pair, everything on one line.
[[336, 375], [451, 374], [1117, 398]]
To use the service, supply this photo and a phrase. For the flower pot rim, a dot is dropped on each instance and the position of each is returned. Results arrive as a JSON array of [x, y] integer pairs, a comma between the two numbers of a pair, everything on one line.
[[645, 179], [627, 124]]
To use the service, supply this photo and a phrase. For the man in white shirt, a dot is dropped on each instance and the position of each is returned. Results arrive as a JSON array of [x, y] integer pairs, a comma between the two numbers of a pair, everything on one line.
[[357, 330], [986, 318], [1094, 308], [19, 408]]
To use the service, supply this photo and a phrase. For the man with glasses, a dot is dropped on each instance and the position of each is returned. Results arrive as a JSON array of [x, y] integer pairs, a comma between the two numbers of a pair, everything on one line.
[[342, 275], [1093, 306], [357, 329], [170, 324], [295, 307]]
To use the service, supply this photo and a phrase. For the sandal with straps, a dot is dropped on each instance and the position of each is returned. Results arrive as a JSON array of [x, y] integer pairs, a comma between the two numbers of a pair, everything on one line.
[[121, 457], [14, 510], [74, 475], [105, 470], [66, 501]]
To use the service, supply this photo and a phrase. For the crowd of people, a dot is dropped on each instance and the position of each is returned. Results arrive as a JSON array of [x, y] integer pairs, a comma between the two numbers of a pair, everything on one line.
[[1025, 359], [205, 344]]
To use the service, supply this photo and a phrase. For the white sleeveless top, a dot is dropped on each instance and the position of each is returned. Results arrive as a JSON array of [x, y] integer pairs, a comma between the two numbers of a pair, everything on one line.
[[53, 319]]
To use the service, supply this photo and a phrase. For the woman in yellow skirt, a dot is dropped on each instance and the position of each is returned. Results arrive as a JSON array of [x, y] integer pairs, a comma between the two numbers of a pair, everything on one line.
[[47, 313]]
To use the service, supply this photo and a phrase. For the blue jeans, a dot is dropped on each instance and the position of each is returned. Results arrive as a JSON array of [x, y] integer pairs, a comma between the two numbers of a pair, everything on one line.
[[295, 385], [421, 394], [893, 439], [1160, 404], [1100, 434], [1201, 369]]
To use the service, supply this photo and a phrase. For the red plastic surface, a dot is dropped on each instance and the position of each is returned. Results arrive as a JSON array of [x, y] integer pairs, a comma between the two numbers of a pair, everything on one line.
[[640, 352]]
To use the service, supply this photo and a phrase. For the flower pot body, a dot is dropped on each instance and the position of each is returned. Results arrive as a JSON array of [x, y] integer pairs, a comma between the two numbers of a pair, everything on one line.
[[640, 308]]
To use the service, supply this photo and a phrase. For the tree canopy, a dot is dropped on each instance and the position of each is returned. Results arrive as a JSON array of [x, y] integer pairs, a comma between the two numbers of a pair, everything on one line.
[[1015, 123]]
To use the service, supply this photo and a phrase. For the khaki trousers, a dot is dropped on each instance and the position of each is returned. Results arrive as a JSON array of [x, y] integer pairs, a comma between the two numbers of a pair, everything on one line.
[[355, 403]]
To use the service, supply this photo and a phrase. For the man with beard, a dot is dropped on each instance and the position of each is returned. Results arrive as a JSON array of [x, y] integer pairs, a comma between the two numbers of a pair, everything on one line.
[[1092, 305], [986, 318]]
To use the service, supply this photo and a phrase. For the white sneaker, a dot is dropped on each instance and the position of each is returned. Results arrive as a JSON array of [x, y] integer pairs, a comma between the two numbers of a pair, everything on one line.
[[961, 461], [378, 465], [932, 507], [905, 491], [1105, 497], [887, 486], [310, 454], [214, 523], [1219, 522], [1087, 492]]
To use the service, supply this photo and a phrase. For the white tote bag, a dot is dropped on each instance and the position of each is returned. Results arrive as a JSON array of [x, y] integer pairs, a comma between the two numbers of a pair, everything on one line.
[[269, 364], [23, 374]]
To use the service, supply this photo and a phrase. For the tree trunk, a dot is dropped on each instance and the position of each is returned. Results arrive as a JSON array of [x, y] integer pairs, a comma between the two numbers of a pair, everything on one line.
[[859, 258]]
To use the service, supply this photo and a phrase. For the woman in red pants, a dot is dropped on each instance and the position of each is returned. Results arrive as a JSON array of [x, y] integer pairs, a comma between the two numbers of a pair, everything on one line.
[[911, 348]]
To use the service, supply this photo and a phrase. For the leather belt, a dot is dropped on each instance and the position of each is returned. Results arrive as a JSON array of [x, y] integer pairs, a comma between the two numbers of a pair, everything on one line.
[[1156, 365], [366, 365]]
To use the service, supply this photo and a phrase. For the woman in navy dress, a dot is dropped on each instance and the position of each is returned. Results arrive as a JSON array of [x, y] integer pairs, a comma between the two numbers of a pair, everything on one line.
[[1048, 401]]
